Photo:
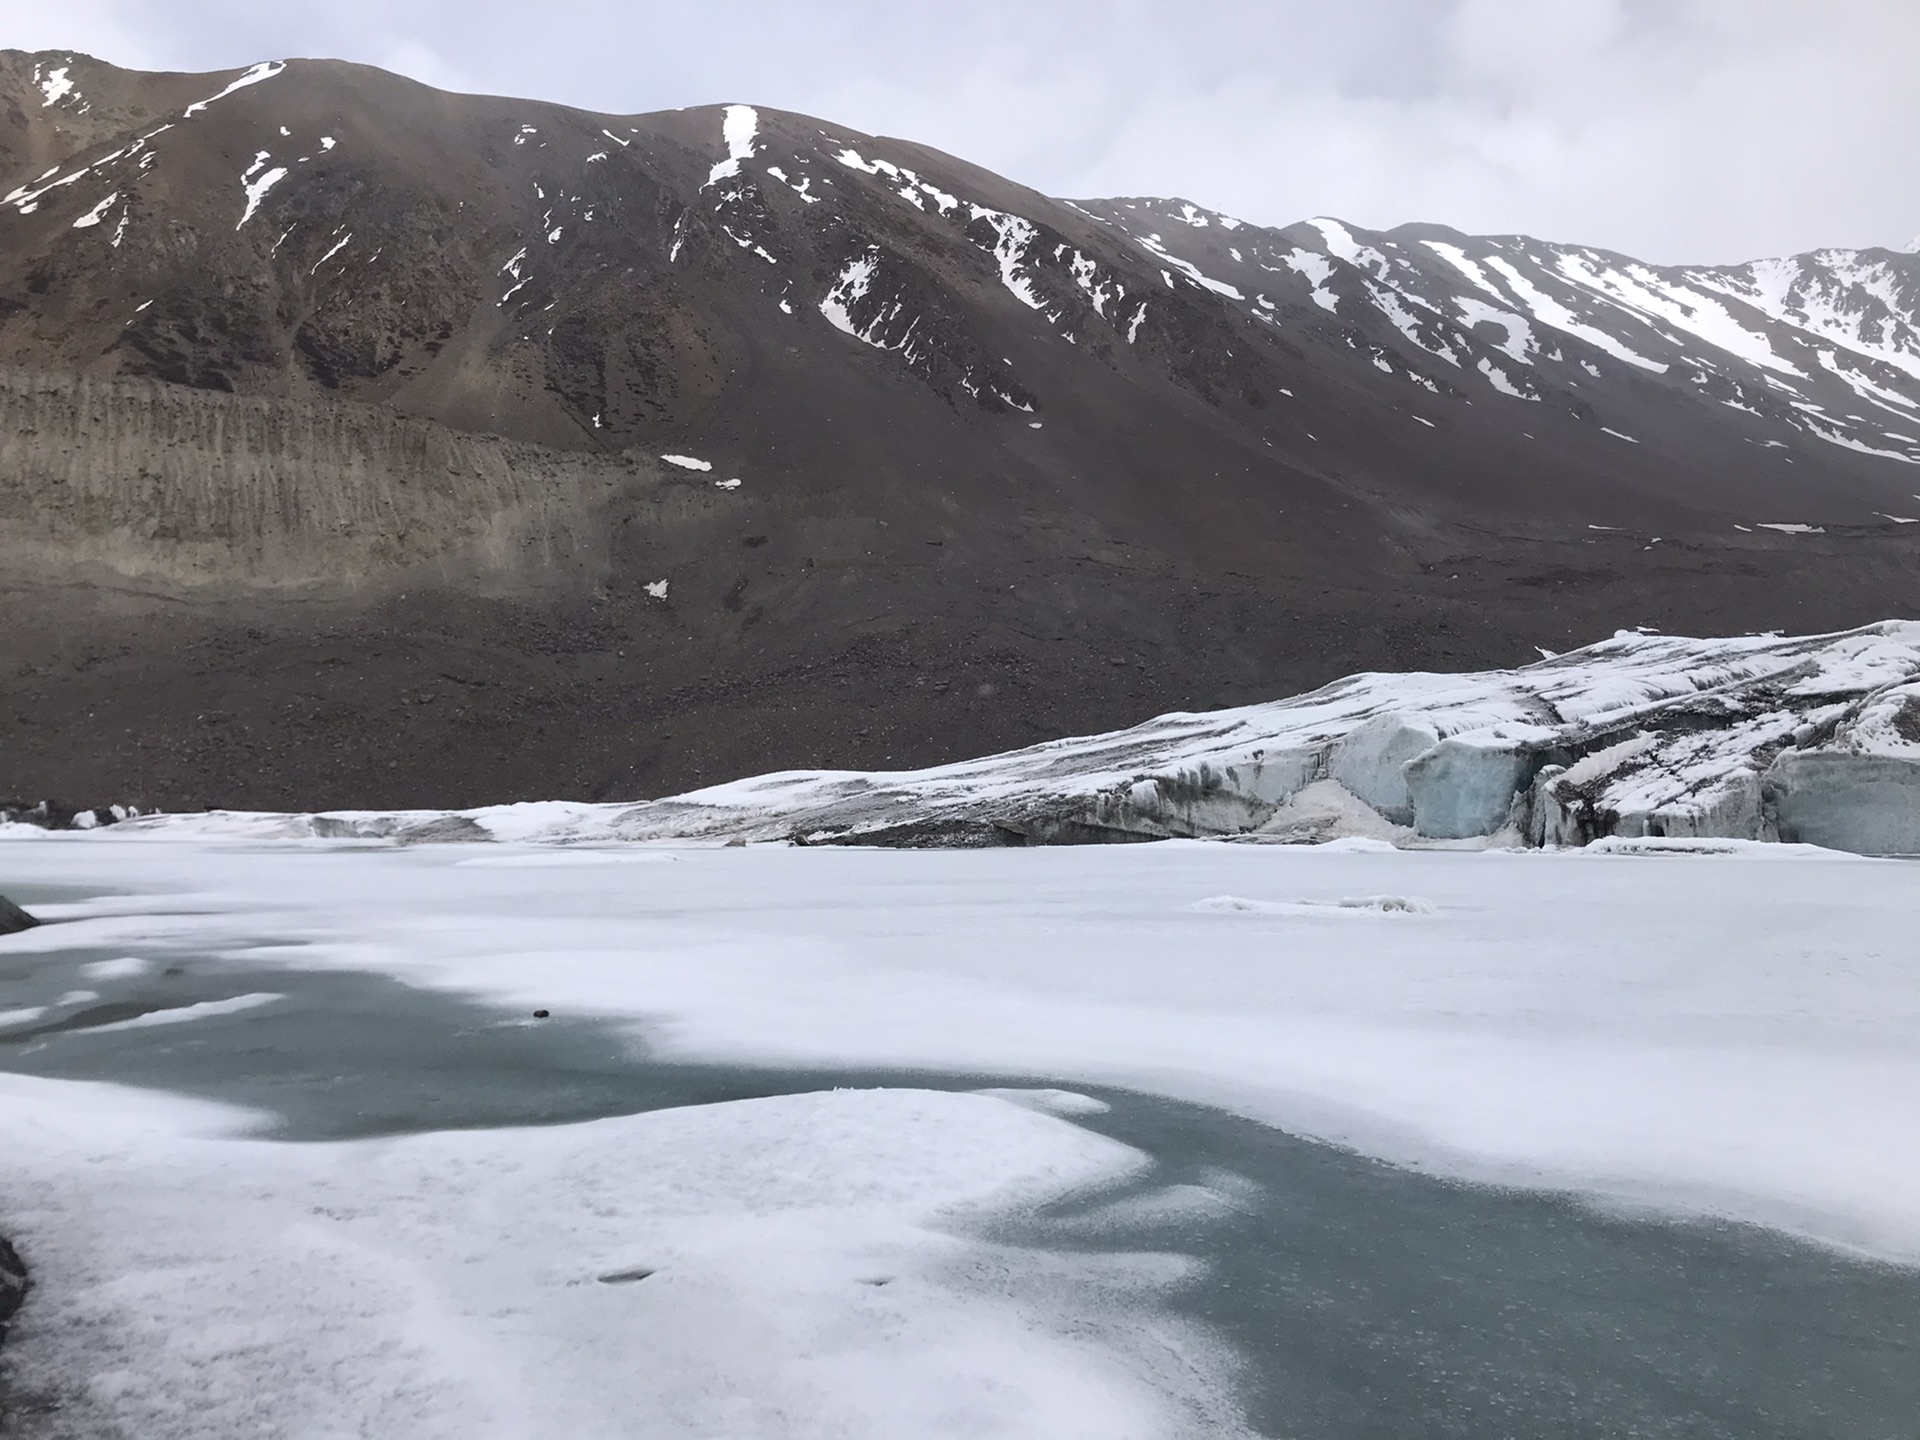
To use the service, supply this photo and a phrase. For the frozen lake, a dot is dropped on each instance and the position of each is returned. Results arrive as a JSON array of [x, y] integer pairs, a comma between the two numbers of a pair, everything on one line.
[[1529, 1144]]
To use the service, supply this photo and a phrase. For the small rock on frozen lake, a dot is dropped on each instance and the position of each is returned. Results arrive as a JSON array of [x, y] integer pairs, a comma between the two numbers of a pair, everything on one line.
[[13, 1285], [13, 919]]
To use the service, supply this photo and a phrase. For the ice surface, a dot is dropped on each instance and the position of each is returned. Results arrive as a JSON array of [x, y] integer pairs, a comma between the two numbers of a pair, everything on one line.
[[808, 1265], [1708, 1026], [1369, 762], [182, 1014], [122, 969]]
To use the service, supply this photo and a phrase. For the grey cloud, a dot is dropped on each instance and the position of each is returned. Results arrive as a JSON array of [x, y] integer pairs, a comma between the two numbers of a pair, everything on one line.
[[1686, 130]]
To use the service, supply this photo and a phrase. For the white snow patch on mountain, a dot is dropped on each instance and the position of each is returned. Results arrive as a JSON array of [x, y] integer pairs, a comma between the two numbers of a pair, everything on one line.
[[1838, 437], [1503, 382], [256, 186], [56, 85], [1152, 244], [265, 70], [738, 127], [1641, 292], [1551, 312], [97, 213], [1317, 270], [1339, 241], [1458, 258], [1518, 343], [688, 462], [336, 248], [849, 287]]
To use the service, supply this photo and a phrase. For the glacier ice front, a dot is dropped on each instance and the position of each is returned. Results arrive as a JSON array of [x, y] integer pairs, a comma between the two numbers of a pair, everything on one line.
[[1813, 739]]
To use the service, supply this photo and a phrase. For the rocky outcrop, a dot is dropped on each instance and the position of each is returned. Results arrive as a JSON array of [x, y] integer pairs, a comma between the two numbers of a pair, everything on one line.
[[183, 487]]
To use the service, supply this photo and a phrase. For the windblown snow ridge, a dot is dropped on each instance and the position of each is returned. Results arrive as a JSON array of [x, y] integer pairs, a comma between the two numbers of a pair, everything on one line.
[[1812, 739]]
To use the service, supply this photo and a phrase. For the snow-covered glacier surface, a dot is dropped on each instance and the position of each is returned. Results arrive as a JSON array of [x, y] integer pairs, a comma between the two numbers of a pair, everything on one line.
[[1643, 737]]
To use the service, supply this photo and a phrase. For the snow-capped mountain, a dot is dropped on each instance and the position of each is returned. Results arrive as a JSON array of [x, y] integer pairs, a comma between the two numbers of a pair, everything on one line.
[[354, 434], [1820, 347]]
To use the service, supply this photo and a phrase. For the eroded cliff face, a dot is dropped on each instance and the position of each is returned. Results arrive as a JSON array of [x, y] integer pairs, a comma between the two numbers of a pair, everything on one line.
[[174, 487]]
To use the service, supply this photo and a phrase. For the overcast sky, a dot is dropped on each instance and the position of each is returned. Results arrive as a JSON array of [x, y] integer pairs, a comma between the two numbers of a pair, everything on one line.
[[1676, 130]]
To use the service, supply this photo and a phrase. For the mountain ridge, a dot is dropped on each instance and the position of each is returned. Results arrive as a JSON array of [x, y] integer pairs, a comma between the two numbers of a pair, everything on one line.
[[854, 411]]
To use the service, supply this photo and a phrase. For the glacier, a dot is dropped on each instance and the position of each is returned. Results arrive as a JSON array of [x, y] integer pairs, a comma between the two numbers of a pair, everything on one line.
[[1810, 739]]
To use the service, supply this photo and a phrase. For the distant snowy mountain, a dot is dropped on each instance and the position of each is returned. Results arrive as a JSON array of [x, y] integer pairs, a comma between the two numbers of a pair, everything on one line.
[[1641, 737], [1823, 346]]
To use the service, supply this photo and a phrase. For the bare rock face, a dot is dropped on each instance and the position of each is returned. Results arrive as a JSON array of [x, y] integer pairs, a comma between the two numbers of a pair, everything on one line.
[[196, 489]]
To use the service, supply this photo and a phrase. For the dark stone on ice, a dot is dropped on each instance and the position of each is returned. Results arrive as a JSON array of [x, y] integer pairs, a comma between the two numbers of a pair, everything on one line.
[[13, 1285], [13, 919]]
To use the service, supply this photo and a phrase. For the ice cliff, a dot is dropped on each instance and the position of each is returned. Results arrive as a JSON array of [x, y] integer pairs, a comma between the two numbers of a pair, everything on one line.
[[1813, 739]]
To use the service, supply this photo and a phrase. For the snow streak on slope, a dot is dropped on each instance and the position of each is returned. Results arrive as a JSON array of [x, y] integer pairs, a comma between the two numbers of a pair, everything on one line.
[[1822, 347], [1753, 738], [742, 122]]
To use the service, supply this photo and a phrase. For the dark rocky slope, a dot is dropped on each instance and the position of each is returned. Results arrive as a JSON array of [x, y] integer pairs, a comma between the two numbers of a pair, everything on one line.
[[331, 457]]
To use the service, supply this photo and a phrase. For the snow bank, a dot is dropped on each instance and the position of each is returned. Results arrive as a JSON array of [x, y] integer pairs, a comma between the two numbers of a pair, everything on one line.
[[804, 1265], [1755, 737]]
